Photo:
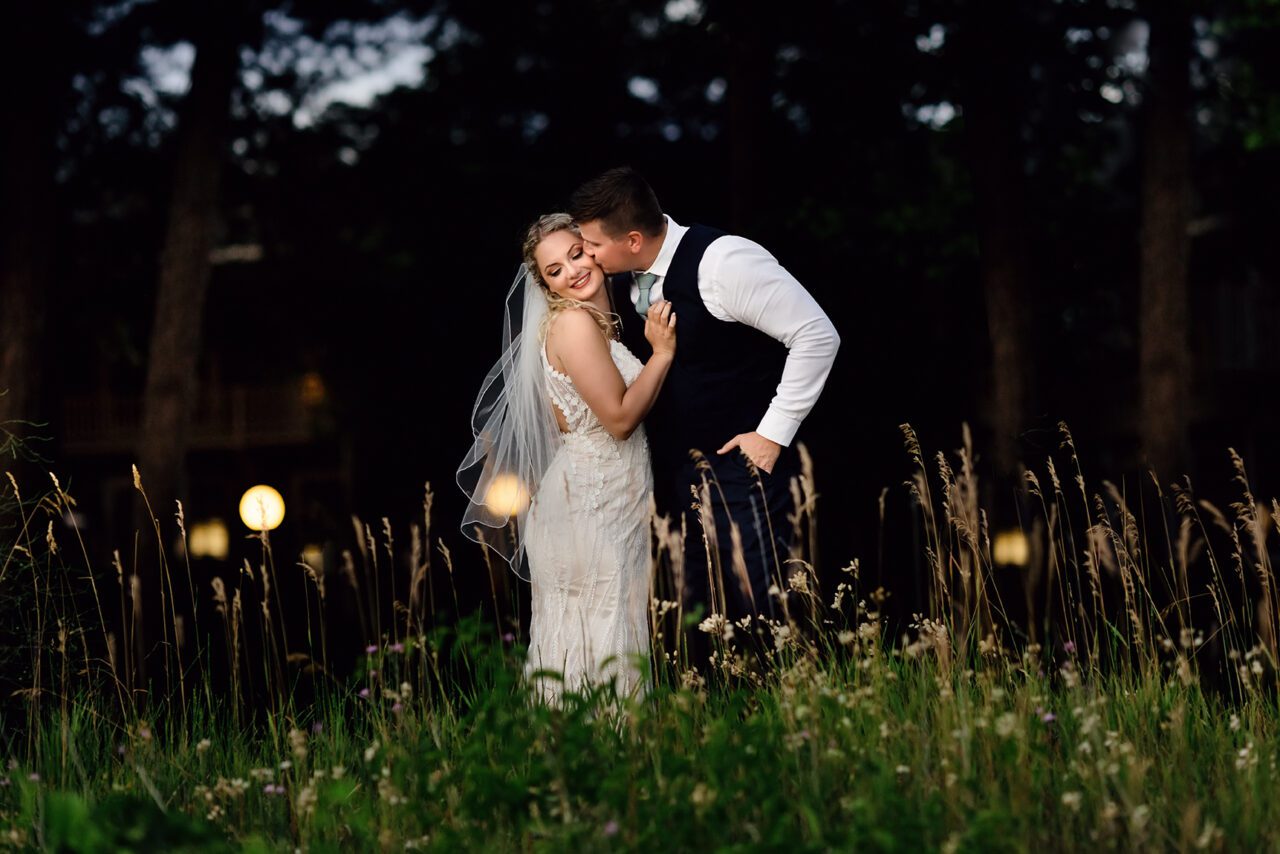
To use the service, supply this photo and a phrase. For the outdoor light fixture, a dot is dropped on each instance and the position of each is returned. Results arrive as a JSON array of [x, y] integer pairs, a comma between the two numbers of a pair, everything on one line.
[[261, 508], [506, 496], [312, 390], [208, 538], [313, 556], [1011, 548]]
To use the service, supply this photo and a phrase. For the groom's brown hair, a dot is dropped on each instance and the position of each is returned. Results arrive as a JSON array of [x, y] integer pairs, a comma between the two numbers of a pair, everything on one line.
[[621, 201]]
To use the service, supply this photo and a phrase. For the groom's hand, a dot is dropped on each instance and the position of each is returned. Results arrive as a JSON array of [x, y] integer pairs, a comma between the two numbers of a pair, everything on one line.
[[761, 451]]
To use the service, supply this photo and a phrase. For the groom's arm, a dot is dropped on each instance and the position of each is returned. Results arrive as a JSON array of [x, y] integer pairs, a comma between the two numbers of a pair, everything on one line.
[[740, 281]]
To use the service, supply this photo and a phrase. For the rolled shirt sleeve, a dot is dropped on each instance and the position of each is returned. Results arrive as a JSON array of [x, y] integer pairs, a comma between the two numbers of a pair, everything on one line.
[[741, 282]]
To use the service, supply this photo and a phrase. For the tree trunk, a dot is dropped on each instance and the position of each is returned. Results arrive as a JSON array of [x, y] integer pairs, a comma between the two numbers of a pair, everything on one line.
[[27, 221], [183, 281], [990, 69], [1164, 362]]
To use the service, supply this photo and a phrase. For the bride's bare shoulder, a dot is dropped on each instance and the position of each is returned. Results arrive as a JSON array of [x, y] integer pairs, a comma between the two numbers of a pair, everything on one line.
[[571, 332], [571, 325]]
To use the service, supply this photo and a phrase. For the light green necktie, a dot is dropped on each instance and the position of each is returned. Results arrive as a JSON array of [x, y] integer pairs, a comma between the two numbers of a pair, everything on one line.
[[645, 282]]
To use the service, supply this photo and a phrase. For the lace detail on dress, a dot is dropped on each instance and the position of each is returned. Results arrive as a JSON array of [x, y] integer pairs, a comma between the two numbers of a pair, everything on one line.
[[588, 546]]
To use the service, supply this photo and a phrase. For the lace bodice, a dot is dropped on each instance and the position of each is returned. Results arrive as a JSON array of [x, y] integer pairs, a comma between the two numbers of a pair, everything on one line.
[[565, 395], [587, 535]]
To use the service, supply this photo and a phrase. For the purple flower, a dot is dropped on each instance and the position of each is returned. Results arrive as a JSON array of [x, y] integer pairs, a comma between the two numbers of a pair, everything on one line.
[[273, 789], [373, 674], [364, 692], [1069, 647], [397, 647], [611, 828], [33, 777], [145, 734], [509, 638], [317, 727], [4, 782], [804, 733], [1048, 717], [371, 649], [397, 708]]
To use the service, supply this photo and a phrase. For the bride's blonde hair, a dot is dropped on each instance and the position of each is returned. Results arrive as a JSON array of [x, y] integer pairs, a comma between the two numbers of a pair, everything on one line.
[[545, 226]]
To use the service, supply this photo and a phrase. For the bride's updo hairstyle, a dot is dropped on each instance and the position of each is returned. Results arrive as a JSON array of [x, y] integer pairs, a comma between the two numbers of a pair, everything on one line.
[[545, 226]]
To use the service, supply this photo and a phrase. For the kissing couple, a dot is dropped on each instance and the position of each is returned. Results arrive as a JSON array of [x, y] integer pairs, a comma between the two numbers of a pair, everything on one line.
[[632, 341]]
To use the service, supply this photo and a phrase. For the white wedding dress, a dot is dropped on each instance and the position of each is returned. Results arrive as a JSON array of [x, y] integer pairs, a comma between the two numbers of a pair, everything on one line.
[[587, 539]]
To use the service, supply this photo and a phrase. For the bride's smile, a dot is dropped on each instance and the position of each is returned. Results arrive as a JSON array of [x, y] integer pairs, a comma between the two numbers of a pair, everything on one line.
[[567, 269]]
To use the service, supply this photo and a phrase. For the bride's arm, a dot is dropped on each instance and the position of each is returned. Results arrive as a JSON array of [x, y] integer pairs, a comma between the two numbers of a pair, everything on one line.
[[582, 350]]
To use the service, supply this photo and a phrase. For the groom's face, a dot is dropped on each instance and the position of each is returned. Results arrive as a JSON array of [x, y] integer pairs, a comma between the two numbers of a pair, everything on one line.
[[614, 254]]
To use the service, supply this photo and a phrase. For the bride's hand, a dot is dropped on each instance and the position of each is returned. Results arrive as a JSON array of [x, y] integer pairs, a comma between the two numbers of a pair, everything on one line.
[[660, 328]]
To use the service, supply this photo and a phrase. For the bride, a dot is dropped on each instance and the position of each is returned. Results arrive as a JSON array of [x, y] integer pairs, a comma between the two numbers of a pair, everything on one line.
[[559, 478]]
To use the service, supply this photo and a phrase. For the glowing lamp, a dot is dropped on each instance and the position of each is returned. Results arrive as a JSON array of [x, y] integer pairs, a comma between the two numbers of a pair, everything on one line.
[[506, 496], [261, 508], [1011, 548], [312, 391], [313, 556], [208, 539]]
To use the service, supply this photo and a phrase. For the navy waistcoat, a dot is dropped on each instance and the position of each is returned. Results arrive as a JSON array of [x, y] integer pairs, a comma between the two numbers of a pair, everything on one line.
[[724, 375]]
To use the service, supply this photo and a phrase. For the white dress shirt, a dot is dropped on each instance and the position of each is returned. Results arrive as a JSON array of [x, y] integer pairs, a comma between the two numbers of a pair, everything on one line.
[[740, 282]]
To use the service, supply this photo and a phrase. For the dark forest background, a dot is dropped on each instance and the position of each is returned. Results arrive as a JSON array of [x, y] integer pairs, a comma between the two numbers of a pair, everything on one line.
[[225, 260]]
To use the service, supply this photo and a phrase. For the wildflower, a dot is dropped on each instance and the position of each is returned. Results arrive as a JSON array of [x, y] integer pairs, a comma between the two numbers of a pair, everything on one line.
[[33, 777], [702, 796], [397, 708], [1072, 800], [903, 770], [1235, 722], [1006, 724], [286, 765], [298, 743], [371, 751], [1139, 817], [1209, 836], [713, 625], [317, 727], [846, 637], [203, 745], [1048, 717], [273, 789], [1069, 647], [364, 692], [397, 647], [1245, 757], [508, 637], [371, 649], [144, 733], [373, 674], [406, 690], [306, 801], [611, 828]]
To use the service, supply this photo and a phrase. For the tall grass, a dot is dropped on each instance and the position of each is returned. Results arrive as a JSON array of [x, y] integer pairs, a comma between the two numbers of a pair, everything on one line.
[[1117, 692]]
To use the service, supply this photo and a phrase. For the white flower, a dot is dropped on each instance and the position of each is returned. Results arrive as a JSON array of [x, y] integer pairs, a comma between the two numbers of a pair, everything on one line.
[[203, 744]]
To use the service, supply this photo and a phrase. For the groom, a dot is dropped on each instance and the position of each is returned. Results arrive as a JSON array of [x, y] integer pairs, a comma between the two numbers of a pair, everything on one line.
[[754, 352]]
